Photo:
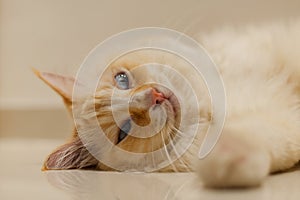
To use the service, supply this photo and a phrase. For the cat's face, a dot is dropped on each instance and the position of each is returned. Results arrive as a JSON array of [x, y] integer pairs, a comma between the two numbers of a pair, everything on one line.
[[135, 111], [125, 89]]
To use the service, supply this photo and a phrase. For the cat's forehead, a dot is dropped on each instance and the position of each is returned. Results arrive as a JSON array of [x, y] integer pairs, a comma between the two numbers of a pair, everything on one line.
[[147, 65], [133, 60], [138, 64], [143, 61]]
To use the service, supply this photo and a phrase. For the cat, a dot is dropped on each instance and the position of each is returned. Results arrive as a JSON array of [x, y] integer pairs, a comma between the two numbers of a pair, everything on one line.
[[260, 68]]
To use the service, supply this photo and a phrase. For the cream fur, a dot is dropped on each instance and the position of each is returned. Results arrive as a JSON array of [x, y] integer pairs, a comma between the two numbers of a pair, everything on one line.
[[260, 67]]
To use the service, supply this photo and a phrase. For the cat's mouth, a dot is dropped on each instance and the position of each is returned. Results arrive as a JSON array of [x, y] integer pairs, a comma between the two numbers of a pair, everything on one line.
[[154, 103], [154, 99], [171, 101], [174, 103]]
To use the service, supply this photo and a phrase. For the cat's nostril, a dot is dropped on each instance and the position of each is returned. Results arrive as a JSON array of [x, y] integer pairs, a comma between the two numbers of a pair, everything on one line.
[[159, 100], [157, 97]]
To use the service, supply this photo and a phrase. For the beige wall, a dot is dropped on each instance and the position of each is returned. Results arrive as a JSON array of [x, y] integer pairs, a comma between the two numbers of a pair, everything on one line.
[[56, 35]]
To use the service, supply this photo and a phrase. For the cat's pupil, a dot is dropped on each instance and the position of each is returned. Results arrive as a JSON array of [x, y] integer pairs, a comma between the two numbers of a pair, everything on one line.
[[124, 131], [122, 81]]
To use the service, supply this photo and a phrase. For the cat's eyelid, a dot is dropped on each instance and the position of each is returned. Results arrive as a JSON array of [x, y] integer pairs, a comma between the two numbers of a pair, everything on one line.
[[120, 73], [130, 78]]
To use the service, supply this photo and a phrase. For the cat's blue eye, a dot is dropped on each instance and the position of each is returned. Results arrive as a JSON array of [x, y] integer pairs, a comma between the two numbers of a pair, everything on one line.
[[122, 81], [124, 131]]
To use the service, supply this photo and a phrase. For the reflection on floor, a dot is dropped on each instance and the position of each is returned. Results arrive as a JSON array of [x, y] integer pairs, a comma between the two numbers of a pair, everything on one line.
[[21, 178]]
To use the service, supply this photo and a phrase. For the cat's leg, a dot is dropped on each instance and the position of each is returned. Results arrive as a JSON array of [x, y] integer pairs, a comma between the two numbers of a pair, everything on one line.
[[234, 161], [248, 150]]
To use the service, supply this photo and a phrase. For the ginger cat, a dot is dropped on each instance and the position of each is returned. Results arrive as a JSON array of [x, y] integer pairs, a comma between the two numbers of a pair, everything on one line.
[[260, 67]]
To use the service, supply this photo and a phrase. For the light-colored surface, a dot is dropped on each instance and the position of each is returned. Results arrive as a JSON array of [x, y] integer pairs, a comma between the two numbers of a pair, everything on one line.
[[21, 178]]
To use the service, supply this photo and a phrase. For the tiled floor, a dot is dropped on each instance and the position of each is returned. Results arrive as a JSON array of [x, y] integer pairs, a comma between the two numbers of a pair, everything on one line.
[[21, 178]]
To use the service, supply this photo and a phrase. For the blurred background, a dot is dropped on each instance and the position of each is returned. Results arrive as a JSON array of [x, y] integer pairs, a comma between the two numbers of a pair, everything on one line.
[[56, 35]]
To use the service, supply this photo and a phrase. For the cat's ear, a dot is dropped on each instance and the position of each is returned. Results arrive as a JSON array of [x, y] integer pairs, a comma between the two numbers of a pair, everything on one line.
[[63, 85], [72, 155]]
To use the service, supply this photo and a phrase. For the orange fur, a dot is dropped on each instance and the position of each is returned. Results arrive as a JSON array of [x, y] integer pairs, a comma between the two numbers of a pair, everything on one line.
[[260, 69]]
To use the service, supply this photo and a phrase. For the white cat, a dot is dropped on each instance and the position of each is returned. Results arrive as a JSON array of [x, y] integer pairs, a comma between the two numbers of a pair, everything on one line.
[[260, 67]]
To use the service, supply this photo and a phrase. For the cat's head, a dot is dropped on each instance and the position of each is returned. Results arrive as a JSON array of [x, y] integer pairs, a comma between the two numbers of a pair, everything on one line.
[[135, 112]]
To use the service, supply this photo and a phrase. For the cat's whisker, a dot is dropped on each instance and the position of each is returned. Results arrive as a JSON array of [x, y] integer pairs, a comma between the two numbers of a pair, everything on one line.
[[168, 155], [179, 157], [152, 149], [177, 131]]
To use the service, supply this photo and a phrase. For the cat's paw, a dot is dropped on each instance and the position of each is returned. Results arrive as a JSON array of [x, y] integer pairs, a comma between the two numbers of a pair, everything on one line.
[[234, 162]]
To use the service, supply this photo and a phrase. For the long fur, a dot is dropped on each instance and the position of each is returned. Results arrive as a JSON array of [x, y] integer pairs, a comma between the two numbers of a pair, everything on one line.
[[260, 67]]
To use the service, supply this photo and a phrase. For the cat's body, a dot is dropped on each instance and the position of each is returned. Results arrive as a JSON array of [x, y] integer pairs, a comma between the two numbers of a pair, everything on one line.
[[260, 68]]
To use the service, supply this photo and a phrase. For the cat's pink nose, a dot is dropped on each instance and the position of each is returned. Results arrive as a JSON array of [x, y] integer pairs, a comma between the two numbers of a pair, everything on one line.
[[157, 97]]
